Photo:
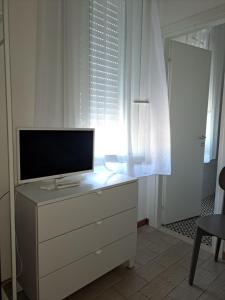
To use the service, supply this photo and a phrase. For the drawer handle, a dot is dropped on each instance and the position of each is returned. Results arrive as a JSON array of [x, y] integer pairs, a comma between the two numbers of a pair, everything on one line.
[[98, 252], [99, 222], [99, 192]]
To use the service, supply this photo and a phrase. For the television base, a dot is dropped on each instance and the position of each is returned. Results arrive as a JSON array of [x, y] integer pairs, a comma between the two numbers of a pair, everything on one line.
[[66, 185], [61, 183]]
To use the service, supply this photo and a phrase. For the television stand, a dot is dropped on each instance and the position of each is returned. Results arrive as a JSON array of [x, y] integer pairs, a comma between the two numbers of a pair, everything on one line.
[[70, 237]]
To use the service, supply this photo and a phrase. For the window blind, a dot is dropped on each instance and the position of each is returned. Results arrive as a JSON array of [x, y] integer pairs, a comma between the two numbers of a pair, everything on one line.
[[105, 61]]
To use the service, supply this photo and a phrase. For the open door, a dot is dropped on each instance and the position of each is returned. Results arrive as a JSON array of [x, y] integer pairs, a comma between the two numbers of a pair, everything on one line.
[[189, 73]]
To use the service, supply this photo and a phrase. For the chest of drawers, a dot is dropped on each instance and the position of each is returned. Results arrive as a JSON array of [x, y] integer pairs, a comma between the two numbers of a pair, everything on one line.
[[68, 238]]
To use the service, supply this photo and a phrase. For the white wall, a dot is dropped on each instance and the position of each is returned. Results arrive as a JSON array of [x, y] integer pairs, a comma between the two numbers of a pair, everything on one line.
[[4, 181], [23, 29], [147, 199], [221, 159], [22, 51], [175, 10], [209, 179]]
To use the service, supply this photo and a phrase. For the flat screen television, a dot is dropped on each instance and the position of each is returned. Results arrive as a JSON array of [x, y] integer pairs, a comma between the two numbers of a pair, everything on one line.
[[54, 153]]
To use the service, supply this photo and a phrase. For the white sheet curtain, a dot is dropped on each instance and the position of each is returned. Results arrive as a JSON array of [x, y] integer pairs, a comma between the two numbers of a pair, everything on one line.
[[95, 59], [62, 87], [49, 106], [154, 87]]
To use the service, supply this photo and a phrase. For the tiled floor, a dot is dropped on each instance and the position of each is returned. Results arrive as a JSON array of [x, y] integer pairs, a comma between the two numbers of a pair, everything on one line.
[[161, 272], [188, 227]]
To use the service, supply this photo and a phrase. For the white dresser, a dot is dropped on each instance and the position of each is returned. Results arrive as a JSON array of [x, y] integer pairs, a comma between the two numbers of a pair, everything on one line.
[[70, 237]]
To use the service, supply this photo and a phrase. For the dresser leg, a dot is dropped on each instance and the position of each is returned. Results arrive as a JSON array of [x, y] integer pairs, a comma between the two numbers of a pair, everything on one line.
[[131, 263]]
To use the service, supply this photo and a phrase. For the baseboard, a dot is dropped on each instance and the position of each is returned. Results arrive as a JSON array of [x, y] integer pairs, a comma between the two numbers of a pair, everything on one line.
[[143, 222]]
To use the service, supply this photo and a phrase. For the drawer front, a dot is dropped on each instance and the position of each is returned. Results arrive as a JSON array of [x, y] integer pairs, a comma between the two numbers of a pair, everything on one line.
[[66, 281], [64, 216], [63, 250]]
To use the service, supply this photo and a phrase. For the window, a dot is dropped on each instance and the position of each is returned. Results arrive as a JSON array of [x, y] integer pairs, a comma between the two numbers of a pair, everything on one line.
[[90, 57], [106, 44]]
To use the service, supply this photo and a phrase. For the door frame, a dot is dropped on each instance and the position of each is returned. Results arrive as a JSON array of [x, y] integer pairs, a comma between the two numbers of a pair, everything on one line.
[[212, 17], [168, 56]]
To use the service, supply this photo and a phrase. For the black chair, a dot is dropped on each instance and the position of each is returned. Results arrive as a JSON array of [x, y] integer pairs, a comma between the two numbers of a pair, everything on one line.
[[213, 225]]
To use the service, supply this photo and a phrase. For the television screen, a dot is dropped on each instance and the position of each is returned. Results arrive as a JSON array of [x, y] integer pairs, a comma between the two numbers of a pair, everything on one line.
[[52, 153]]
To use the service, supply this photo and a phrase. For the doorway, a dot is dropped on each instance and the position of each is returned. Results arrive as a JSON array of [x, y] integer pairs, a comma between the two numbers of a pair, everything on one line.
[[207, 183]]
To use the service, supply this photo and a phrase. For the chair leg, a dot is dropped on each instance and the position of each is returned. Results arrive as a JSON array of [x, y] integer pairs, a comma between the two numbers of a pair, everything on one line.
[[217, 249], [195, 254]]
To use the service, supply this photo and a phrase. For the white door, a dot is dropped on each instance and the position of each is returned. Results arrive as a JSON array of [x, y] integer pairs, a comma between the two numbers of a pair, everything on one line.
[[188, 72]]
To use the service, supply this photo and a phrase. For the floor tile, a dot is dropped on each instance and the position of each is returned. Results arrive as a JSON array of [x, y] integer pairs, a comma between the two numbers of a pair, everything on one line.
[[123, 271], [221, 277], [216, 290], [173, 254], [157, 289], [110, 294], [213, 267], [130, 285], [212, 295], [157, 246], [185, 292], [203, 278], [146, 228], [161, 272], [186, 261], [144, 255], [209, 296], [174, 274], [95, 288], [137, 296], [150, 271], [188, 227], [159, 236], [205, 254], [142, 242]]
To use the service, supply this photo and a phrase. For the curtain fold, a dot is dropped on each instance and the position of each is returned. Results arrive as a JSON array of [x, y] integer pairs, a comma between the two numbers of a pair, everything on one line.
[[153, 86], [97, 61], [76, 63], [62, 64], [49, 107]]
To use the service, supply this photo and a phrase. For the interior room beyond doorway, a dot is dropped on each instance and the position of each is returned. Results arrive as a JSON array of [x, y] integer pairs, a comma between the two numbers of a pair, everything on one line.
[[209, 38]]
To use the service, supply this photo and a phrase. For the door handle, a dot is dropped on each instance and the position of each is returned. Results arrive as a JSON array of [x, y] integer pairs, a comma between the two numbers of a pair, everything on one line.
[[202, 137], [98, 222]]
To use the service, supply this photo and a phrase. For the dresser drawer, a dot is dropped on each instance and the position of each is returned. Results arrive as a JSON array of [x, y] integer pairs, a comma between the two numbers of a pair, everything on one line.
[[65, 249], [64, 216], [67, 280]]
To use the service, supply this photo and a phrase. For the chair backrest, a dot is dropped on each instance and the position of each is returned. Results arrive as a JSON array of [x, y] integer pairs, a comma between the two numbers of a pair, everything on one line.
[[222, 185], [222, 179]]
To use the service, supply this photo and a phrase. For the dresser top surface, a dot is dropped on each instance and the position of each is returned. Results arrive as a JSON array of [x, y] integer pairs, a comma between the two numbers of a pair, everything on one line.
[[89, 183]]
